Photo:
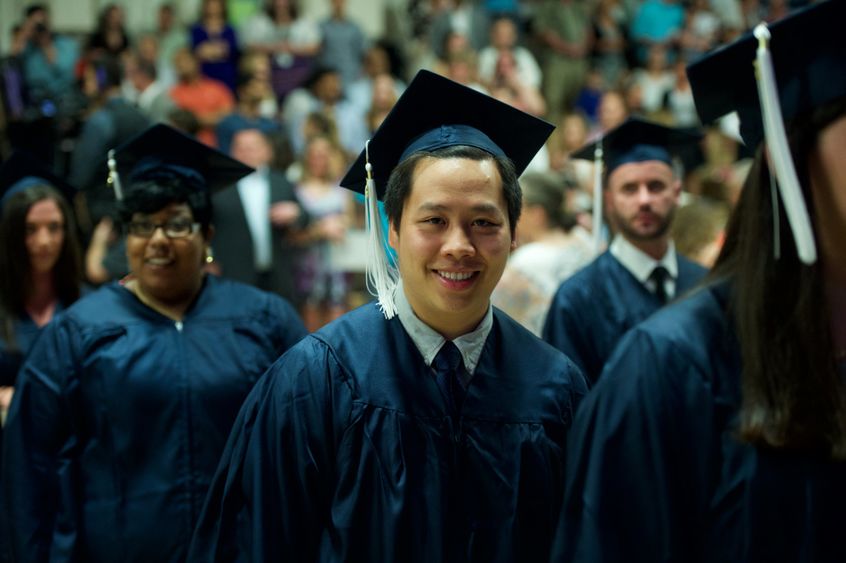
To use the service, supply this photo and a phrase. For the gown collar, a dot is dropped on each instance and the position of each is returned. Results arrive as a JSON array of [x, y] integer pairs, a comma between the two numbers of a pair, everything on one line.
[[428, 341]]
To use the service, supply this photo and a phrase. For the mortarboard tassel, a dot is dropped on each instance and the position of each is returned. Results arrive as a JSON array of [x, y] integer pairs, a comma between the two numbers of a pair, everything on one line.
[[597, 197], [114, 177], [780, 158], [381, 277], [776, 222]]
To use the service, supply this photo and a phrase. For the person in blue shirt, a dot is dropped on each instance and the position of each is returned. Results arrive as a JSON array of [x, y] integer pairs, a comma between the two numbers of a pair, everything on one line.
[[718, 429], [641, 270], [122, 408], [427, 426]]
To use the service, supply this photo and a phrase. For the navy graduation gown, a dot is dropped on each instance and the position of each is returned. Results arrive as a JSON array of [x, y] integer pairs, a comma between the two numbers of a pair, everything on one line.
[[655, 471], [345, 451], [25, 332], [594, 308], [120, 415]]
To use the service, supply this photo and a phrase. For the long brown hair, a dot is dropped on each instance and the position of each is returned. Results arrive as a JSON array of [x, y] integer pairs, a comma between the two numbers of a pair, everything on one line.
[[793, 398], [15, 270]]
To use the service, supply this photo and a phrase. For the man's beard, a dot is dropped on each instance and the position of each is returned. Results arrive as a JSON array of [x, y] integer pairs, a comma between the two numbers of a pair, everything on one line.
[[633, 234]]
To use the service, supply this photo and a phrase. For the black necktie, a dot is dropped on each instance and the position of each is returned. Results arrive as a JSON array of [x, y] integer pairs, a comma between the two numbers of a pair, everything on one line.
[[448, 367], [659, 277]]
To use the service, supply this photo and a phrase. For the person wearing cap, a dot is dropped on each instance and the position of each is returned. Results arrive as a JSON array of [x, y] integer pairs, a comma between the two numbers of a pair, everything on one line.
[[425, 426], [717, 431], [40, 269], [122, 408], [641, 270]]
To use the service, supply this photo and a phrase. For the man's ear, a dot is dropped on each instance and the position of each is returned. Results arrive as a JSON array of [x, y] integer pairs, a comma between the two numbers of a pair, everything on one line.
[[393, 236], [677, 189]]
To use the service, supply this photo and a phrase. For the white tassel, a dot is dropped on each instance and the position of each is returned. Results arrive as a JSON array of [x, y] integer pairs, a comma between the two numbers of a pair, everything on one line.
[[780, 158], [381, 277], [114, 177], [776, 221], [597, 197]]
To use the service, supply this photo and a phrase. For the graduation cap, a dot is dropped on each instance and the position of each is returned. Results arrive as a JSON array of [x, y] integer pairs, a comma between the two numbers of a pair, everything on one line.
[[636, 140], [777, 73], [22, 170], [162, 151], [434, 113]]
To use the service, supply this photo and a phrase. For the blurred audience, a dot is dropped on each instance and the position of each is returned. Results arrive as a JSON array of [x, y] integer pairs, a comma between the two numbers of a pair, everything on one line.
[[215, 43], [585, 65], [698, 229], [503, 45], [208, 99], [343, 45], [547, 252], [252, 91], [566, 36], [110, 37], [256, 219], [292, 41], [323, 288]]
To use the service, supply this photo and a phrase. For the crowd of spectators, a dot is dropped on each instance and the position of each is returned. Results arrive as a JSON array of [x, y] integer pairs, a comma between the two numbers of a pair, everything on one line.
[[317, 89]]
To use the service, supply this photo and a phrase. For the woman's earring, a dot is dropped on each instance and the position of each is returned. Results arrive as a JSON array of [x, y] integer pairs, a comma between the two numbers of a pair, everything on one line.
[[209, 255]]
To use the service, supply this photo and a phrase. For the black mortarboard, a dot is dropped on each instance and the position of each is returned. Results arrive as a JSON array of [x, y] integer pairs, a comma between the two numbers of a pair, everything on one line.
[[435, 112], [23, 170], [771, 77], [637, 140], [809, 58], [161, 149]]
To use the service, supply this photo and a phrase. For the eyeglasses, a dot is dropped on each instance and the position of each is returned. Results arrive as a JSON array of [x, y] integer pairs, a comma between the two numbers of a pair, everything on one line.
[[172, 229]]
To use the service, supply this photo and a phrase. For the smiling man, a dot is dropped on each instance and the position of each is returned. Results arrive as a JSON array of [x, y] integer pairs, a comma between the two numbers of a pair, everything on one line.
[[428, 426], [641, 271]]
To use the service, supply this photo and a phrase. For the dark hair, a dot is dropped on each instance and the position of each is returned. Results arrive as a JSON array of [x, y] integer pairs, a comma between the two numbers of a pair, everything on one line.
[[154, 190], [223, 5], [549, 191], [399, 183], [147, 68], [270, 9], [793, 398], [103, 17], [15, 270], [35, 8], [184, 120], [108, 71]]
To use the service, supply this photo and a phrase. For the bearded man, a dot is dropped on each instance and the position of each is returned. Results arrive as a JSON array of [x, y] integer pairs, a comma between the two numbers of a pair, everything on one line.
[[641, 270]]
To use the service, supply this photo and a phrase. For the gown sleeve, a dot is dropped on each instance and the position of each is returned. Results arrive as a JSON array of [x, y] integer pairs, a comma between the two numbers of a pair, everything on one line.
[[567, 332], [268, 497], [638, 460], [38, 483]]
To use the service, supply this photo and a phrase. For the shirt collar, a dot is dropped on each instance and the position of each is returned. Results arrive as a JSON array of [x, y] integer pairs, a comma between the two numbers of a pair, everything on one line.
[[639, 263], [429, 341]]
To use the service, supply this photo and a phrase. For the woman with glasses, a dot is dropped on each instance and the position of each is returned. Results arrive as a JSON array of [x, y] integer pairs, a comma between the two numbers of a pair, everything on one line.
[[125, 403]]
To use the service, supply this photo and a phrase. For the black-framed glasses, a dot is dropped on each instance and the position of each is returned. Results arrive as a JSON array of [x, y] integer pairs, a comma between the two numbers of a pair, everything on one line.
[[176, 228]]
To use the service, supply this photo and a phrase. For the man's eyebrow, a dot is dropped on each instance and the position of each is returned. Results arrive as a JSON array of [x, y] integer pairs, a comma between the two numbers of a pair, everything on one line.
[[478, 208]]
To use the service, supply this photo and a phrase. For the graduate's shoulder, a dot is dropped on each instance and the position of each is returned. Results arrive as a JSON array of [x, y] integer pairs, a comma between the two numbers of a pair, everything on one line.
[[540, 359], [583, 285], [235, 299], [354, 338], [695, 333], [102, 306]]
